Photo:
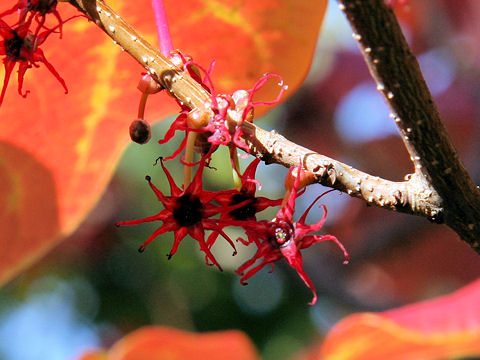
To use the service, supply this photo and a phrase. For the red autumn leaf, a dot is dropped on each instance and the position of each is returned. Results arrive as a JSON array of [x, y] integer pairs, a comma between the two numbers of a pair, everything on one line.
[[442, 328], [151, 343], [58, 152]]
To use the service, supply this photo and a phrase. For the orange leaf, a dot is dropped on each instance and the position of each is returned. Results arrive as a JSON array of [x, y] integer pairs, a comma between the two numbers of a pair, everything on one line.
[[248, 38], [58, 152], [441, 328], [94, 355], [150, 343]]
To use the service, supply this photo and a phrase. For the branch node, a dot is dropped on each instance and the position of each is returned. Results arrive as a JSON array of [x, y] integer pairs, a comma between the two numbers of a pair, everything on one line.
[[332, 175]]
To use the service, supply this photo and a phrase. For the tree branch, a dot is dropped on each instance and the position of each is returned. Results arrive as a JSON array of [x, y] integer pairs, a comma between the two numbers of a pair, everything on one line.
[[409, 196], [399, 79], [440, 189]]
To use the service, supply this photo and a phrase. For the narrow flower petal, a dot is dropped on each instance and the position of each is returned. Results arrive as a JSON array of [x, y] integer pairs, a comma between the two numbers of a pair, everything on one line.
[[9, 65], [161, 230], [178, 237], [174, 189], [162, 198]]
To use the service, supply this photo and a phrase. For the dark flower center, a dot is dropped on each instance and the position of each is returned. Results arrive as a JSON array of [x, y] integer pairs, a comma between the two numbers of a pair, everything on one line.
[[245, 212], [13, 46], [188, 210], [41, 6]]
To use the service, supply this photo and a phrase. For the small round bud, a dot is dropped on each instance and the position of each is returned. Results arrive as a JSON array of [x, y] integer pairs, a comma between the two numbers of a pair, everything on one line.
[[140, 131], [198, 118], [179, 59], [148, 86], [240, 98]]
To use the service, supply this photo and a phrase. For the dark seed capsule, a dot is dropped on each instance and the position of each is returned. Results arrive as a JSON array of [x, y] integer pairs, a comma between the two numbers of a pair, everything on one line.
[[202, 145], [140, 131]]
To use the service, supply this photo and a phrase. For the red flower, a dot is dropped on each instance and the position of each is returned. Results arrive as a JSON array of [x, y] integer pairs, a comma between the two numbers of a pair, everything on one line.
[[186, 212], [283, 238], [248, 211], [37, 9], [20, 45], [221, 116]]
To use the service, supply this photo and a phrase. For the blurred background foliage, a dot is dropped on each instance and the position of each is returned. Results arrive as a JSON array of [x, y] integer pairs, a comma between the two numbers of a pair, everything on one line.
[[96, 287]]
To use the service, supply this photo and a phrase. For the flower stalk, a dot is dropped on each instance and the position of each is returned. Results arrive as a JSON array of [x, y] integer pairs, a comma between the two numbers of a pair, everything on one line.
[[163, 31]]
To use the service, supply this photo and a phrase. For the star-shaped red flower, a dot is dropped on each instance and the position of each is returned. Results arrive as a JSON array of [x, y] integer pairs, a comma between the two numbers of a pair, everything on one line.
[[186, 212], [284, 238], [37, 9], [19, 45]]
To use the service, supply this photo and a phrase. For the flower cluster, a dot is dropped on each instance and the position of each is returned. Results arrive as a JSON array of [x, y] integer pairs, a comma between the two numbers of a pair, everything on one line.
[[219, 121], [192, 210], [20, 40]]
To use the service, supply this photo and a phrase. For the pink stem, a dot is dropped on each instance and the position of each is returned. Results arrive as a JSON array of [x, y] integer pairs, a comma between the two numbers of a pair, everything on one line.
[[163, 31]]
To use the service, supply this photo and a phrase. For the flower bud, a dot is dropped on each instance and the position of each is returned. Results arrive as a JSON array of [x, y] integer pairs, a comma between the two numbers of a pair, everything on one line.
[[148, 86]]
